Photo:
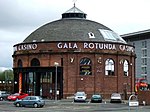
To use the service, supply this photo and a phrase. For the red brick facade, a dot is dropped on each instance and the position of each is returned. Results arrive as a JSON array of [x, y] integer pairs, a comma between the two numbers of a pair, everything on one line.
[[69, 54]]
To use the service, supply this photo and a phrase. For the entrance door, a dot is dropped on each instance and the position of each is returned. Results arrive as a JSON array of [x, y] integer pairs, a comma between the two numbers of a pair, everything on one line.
[[46, 85], [40, 81]]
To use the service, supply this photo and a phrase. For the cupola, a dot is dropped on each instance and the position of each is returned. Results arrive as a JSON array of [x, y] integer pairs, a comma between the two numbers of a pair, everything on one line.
[[74, 12]]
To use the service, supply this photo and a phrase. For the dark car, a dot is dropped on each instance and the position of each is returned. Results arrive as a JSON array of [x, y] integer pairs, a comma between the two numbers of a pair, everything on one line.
[[3, 95], [96, 98], [30, 101]]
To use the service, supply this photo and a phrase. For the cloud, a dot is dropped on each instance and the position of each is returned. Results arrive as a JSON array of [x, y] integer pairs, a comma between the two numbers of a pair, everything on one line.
[[19, 18]]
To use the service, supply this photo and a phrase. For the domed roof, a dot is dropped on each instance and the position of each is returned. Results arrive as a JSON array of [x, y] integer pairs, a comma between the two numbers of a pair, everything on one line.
[[73, 27]]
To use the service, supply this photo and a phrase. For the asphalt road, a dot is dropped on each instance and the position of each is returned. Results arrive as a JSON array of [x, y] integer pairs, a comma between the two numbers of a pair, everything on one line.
[[69, 106]]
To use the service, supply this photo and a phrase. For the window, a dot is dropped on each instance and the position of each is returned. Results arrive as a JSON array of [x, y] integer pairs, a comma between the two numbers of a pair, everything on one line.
[[19, 63], [35, 62], [144, 70], [126, 68], [144, 44], [111, 36], [144, 61], [85, 66], [91, 35], [144, 52], [109, 67]]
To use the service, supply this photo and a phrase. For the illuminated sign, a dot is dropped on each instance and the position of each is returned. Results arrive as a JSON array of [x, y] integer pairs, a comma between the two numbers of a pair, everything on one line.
[[20, 82]]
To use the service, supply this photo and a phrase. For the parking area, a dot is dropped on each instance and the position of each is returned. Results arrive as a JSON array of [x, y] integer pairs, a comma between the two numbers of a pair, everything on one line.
[[70, 106]]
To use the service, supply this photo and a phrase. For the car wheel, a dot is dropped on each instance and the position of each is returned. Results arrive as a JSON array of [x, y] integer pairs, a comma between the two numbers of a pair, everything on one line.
[[18, 105], [1, 99], [35, 105]]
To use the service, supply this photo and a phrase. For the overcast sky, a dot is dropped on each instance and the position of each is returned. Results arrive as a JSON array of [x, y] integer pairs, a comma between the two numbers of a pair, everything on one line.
[[18, 18]]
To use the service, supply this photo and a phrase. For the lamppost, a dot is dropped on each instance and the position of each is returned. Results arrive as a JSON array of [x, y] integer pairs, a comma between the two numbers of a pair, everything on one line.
[[56, 65]]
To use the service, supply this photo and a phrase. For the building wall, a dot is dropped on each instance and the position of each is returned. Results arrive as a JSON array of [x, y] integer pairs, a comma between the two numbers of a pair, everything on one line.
[[139, 55], [98, 82]]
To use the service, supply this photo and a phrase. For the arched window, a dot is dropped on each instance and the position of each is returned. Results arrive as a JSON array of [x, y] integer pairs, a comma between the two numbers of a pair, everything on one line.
[[19, 63], [35, 62], [126, 68], [109, 67], [85, 66]]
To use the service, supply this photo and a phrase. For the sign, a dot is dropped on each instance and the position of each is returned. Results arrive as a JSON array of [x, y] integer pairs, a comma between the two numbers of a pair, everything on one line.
[[133, 103], [76, 45], [20, 82], [25, 47]]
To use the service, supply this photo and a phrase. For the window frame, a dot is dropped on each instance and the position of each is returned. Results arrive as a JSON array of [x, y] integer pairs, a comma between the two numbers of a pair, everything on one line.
[[85, 67], [109, 67]]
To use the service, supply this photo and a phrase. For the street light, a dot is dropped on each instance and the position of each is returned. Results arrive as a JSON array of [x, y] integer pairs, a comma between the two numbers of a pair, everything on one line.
[[56, 65]]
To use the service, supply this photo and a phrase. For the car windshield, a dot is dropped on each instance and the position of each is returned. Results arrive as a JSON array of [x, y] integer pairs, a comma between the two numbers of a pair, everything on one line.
[[96, 96], [116, 95], [80, 94], [16, 94]]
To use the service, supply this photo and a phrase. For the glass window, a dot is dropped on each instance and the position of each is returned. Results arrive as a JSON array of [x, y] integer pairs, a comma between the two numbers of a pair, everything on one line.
[[144, 61], [85, 66], [111, 36], [144, 70], [35, 62], [144, 44], [109, 67], [126, 68], [19, 63], [144, 52], [33, 98]]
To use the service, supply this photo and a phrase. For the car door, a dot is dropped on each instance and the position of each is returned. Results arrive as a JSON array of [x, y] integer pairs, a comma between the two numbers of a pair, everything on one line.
[[26, 101], [32, 100]]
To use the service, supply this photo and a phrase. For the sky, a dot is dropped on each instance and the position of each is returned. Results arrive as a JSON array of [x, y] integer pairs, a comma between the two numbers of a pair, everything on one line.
[[19, 18]]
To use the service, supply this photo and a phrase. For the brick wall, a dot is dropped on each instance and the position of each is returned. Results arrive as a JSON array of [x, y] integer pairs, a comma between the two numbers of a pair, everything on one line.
[[144, 96]]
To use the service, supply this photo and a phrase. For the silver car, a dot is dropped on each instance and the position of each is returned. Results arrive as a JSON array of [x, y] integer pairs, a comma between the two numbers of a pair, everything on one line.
[[34, 101], [80, 97], [116, 97]]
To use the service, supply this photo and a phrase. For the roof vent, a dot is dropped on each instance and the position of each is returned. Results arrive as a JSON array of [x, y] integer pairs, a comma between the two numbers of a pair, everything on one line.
[[91, 35], [33, 40], [42, 40], [74, 12]]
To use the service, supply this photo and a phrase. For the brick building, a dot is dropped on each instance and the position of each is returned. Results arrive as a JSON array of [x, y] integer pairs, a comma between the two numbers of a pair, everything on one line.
[[73, 54]]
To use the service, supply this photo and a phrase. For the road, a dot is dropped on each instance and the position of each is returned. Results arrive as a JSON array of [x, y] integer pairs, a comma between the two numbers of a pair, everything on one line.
[[69, 106]]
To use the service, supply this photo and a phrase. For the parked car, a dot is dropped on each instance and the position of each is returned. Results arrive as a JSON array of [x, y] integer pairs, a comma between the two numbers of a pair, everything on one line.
[[116, 97], [96, 98], [80, 97], [33, 101], [3, 95], [16, 96]]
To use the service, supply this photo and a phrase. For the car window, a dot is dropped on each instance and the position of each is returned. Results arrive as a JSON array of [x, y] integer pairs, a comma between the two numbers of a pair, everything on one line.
[[16, 94], [96, 96], [26, 98], [117, 95], [80, 94], [33, 98]]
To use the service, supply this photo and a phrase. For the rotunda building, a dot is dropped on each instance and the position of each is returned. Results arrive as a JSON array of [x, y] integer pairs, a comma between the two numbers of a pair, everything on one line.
[[73, 54]]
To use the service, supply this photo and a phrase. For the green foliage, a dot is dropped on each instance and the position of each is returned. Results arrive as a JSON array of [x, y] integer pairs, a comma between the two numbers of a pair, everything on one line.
[[7, 75]]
